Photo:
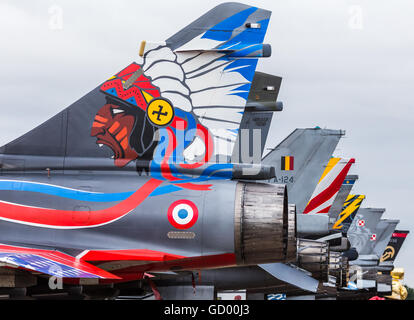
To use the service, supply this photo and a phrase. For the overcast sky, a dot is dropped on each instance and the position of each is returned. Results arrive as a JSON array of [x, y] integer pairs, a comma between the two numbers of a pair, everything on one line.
[[346, 65]]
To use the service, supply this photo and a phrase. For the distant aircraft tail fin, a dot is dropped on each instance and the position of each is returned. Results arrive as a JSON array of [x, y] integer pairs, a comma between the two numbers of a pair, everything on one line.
[[341, 197], [300, 159], [362, 232], [384, 231], [328, 186], [391, 251], [348, 212]]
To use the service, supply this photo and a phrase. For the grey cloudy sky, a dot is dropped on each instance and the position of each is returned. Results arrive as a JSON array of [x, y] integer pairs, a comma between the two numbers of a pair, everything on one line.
[[346, 65]]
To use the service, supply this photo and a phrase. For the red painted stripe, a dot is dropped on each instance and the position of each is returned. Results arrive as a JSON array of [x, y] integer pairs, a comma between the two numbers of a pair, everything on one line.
[[292, 163], [193, 263], [131, 255], [331, 190], [203, 133], [176, 121], [399, 235], [165, 166], [62, 218]]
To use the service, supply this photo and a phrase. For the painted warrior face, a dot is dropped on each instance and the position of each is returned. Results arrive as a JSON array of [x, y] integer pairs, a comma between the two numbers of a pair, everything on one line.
[[113, 127]]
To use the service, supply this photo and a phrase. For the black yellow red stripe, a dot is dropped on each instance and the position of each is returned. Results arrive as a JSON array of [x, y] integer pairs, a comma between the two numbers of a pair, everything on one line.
[[288, 163]]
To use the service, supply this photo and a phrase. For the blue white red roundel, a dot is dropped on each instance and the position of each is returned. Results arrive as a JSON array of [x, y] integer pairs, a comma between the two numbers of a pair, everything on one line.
[[182, 214]]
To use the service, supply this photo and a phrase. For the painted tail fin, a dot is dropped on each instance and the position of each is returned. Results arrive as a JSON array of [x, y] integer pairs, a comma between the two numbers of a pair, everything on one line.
[[219, 54], [394, 245], [200, 77], [362, 232], [384, 231], [300, 160], [328, 186], [257, 118], [341, 197], [348, 213]]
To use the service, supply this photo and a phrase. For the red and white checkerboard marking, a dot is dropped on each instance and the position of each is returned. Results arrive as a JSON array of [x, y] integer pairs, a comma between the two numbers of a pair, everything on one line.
[[373, 237], [361, 223]]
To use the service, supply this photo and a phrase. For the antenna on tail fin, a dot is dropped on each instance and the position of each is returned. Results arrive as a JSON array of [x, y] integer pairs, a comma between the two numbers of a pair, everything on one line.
[[257, 118]]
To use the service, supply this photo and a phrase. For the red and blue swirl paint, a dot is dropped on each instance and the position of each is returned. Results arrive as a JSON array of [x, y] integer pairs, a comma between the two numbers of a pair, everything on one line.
[[169, 159]]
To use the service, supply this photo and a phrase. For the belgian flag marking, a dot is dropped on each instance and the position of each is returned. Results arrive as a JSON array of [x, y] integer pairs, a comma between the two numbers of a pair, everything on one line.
[[288, 163]]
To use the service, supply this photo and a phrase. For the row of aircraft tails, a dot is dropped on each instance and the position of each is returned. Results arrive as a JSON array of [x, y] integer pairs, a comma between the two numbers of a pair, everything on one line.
[[155, 185]]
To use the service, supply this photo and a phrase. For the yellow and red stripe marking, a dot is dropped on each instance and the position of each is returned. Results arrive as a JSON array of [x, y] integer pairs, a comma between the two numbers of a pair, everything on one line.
[[326, 196]]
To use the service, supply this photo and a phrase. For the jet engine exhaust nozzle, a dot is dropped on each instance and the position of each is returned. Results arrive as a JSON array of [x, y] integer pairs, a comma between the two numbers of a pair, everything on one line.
[[263, 231]]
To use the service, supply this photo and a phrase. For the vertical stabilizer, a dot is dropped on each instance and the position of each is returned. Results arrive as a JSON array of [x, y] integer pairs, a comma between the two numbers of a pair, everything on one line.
[[300, 160], [362, 232], [394, 245], [341, 197], [196, 81], [257, 118], [385, 229], [348, 212], [328, 186]]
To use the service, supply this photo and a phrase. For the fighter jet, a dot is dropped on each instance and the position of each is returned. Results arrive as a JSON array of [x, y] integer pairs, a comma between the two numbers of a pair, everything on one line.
[[348, 213], [309, 148], [391, 251], [365, 273], [144, 179], [362, 235], [131, 178]]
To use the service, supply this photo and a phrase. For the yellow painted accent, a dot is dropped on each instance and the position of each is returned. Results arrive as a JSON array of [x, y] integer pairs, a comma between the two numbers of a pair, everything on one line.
[[142, 48], [147, 96], [389, 252], [287, 163], [113, 77], [160, 112], [350, 208], [332, 163]]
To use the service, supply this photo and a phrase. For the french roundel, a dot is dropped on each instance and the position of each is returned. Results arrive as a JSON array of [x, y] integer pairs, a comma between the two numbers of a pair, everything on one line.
[[182, 214]]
